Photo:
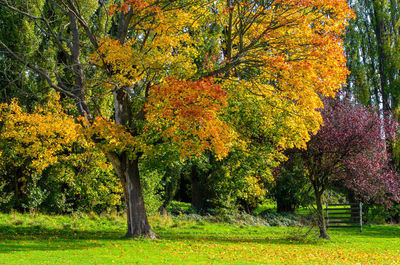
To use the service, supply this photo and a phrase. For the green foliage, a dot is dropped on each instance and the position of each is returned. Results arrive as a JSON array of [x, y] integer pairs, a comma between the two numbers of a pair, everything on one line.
[[281, 219], [375, 214], [46, 163], [267, 205], [235, 182], [179, 208], [372, 47], [336, 194], [184, 211], [87, 182], [5, 197], [291, 187], [35, 195], [152, 192], [64, 188], [20, 33]]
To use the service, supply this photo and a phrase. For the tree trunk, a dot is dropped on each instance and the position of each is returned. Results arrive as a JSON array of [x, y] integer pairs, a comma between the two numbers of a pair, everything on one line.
[[128, 171], [138, 225], [16, 189], [197, 201], [320, 214], [382, 56]]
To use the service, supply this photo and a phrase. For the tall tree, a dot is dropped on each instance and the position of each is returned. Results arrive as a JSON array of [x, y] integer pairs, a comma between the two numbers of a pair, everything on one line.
[[18, 32], [350, 149], [171, 68], [372, 45]]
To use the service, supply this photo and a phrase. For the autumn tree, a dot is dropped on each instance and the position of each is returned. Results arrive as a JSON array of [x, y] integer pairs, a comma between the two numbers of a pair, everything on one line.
[[350, 149], [47, 145], [36, 138], [188, 76]]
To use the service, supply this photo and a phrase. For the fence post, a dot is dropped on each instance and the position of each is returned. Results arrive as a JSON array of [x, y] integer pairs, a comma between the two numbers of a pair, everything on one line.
[[327, 219]]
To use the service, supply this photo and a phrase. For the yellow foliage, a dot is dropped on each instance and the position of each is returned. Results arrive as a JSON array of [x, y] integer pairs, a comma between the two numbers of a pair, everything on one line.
[[298, 54], [169, 47], [274, 60], [112, 137], [38, 137]]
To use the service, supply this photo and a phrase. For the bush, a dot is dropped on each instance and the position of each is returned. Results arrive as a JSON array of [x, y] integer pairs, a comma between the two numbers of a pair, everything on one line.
[[179, 208], [183, 211], [281, 219]]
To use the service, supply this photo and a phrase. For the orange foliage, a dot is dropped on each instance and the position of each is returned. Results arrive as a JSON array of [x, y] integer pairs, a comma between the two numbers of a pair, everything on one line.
[[187, 114], [134, 5], [296, 49]]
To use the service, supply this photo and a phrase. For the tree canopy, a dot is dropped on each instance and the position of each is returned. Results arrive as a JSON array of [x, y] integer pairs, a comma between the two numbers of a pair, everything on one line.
[[351, 149], [187, 76]]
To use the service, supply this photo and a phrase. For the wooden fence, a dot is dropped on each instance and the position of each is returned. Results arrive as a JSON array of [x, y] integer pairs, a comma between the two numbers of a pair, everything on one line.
[[344, 215]]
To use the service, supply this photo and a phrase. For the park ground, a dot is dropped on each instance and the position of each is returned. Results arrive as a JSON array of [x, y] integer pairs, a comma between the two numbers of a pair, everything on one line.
[[92, 239]]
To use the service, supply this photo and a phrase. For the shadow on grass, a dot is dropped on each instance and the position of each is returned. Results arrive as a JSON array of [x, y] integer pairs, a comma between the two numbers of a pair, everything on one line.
[[28, 238], [41, 238], [375, 231], [6, 246], [236, 238]]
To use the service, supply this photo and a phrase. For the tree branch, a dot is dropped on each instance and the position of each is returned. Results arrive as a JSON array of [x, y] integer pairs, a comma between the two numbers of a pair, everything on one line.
[[40, 71]]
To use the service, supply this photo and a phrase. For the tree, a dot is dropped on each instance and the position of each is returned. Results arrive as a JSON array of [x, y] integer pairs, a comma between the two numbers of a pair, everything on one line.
[[35, 140], [291, 187], [46, 145], [372, 45], [18, 33], [350, 148], [168, 70]]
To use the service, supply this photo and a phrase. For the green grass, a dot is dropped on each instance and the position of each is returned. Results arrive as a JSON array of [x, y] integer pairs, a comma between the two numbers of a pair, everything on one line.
[[84, 239]]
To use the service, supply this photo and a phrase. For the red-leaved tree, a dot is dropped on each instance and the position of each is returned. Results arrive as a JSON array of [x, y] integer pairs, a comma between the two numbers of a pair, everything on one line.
[[352, 148]]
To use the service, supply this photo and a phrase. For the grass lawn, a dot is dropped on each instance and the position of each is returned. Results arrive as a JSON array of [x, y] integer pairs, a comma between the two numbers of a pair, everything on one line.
[[84, 239]]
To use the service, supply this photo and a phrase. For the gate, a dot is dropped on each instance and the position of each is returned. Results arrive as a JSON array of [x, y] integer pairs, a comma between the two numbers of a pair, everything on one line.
[[344, 215]]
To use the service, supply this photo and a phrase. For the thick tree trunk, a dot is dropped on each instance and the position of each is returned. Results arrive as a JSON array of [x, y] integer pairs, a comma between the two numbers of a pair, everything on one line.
[[138, 225], [128, 171], [320, 215], [115, 160]]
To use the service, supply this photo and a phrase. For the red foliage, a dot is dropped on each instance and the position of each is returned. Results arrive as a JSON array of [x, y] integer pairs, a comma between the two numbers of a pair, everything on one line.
[[353, 147]]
